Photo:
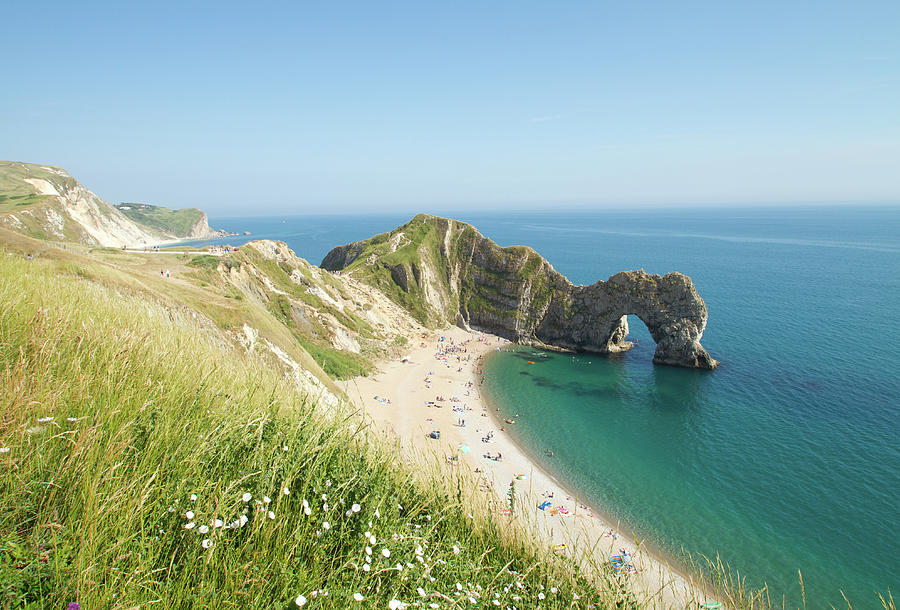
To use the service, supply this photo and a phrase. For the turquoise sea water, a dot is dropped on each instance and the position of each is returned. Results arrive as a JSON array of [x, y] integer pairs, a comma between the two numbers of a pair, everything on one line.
[[787, 457]]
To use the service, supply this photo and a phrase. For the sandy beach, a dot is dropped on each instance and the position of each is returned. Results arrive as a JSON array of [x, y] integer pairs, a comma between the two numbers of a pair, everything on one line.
[[436, 388]]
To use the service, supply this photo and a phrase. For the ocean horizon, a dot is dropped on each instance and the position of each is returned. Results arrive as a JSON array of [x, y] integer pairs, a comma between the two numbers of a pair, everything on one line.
[[783, 459]]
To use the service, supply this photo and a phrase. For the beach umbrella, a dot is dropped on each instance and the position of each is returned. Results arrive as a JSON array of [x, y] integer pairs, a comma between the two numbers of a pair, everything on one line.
[[463, 448]]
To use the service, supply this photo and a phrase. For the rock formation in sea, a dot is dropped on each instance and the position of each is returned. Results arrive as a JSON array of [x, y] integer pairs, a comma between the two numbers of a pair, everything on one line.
[[443, 270]]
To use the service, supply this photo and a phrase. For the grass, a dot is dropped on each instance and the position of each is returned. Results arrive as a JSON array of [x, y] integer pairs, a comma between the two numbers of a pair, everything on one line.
[[16, 194], [164, 220], [206, 261], [123, 422], [120, 401]]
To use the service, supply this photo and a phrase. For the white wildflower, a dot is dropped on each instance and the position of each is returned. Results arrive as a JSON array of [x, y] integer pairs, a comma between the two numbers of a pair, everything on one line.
[[300, 601], [386, 552], [193, 497], [356, 508], [189, 514], [4, 449], [285, 449], [218, 523], [267, 499], [189, 526], [286, 491], [246, 497], [368, 550], [72, 419], [396, 604], [377, 513], [553, 589], [372, 539], [358, 597], [244, 520], [206, 543], [328, 483], [366, 567], [43, 420], [326, 525], [458, 587], [456, 550], [421, 592], [203, 529], [271, 515]]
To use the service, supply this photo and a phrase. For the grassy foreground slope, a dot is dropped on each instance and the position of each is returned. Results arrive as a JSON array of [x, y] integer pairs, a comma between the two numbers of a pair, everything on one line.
[[145, 461]]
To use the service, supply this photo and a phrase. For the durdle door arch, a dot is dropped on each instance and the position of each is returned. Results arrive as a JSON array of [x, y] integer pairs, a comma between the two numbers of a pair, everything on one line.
[[595, 318]]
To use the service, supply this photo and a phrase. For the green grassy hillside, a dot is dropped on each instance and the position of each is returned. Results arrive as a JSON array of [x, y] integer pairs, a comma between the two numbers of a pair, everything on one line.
[[145, 461], [15, 193], [164, 220], [427, 267]]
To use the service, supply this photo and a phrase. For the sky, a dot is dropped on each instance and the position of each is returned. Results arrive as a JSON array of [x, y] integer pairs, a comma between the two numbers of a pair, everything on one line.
[[294, 108]]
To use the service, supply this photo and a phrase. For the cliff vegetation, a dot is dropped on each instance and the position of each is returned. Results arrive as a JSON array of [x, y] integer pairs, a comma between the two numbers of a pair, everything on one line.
[[186, 222]]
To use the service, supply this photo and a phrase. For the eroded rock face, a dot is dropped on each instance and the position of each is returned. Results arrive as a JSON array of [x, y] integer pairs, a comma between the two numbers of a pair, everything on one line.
[[515, 293]]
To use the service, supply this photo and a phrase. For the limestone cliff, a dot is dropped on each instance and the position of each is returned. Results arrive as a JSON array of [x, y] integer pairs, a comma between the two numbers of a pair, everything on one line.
[[443, 270], [45, 202]]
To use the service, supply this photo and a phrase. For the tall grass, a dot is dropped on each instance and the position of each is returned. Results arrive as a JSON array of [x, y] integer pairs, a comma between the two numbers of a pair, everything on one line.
[[147, 462]]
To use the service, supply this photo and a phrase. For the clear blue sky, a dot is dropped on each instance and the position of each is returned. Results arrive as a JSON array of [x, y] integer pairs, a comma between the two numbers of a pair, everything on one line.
[[341, 106]]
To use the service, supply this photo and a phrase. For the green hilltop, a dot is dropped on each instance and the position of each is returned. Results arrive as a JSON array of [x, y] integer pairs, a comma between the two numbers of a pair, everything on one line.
[[15, 193], [179, 223]]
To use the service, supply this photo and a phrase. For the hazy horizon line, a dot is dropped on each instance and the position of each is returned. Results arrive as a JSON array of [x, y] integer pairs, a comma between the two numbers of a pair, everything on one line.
[[551, 207]]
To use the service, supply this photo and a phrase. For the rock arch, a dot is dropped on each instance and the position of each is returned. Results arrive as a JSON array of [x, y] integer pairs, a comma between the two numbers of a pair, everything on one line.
[[446, 271], [594, 318]]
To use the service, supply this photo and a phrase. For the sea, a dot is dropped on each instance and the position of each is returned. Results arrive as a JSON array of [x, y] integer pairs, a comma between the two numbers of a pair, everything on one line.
[[784, 461]]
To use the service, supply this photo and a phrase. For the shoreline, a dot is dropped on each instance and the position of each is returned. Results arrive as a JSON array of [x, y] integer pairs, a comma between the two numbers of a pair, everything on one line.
[[653, 552], [434, 391]]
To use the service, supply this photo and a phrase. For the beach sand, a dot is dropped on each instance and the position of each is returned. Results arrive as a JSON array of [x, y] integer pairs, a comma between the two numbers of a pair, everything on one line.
[[397, 398]]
